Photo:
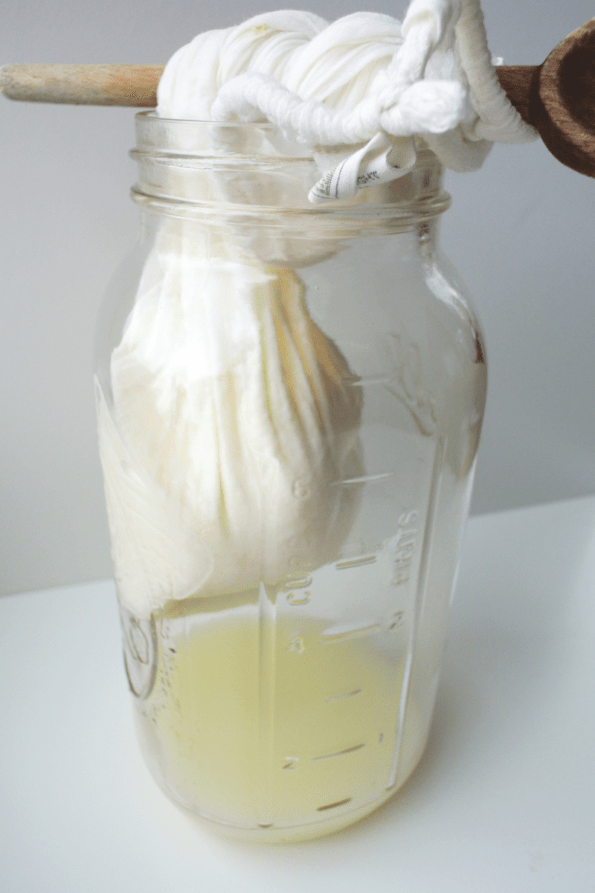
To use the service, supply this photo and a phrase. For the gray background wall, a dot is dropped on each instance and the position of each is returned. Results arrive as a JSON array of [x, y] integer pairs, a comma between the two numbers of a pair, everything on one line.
[[521, 231]]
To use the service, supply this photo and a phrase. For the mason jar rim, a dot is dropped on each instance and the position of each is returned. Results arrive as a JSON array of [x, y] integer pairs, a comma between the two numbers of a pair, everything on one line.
[[178, 159], [154, 132]]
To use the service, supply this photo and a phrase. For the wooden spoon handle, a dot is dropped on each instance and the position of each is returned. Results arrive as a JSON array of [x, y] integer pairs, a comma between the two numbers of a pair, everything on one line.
[[127, 85], [136, 85], [557, 98]]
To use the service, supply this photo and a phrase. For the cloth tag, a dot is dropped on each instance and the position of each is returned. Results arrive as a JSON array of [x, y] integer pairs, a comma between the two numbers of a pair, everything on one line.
[[380, 160]]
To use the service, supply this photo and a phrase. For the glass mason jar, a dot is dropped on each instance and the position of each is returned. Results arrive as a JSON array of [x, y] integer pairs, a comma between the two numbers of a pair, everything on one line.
[[289, 405]]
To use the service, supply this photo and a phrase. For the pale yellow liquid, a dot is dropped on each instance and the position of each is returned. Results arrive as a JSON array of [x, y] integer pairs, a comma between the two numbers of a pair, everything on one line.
[[269, 726]]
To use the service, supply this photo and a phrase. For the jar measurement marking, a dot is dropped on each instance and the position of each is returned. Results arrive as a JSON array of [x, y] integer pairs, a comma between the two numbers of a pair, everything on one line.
[[330, 638], [348, 694], [298, 583], [404, 548], [297, 600], [298, 564], [334, 805], [296, 646], [398, 619], [301, 489], [355, 562], [338, 753], [137, 641], [366, 479]]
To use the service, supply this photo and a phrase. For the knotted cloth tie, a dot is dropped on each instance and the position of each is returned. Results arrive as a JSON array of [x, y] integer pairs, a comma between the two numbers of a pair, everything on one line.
[[365, 82]]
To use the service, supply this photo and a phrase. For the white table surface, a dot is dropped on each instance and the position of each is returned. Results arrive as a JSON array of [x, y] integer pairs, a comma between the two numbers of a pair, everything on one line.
[[503, 800]]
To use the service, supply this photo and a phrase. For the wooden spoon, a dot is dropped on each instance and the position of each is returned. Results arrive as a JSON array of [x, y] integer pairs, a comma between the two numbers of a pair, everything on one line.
[[557, 97]]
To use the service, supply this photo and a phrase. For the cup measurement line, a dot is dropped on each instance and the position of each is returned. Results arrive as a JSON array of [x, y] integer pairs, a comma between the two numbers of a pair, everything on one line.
[[346, 563], [331, 638], [366, 479], [348, 694], [338, 753], [334, 805]]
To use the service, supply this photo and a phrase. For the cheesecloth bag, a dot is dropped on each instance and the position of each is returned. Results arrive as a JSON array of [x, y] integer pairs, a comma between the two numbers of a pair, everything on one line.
[[226, 394]]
